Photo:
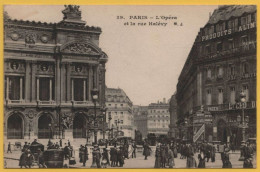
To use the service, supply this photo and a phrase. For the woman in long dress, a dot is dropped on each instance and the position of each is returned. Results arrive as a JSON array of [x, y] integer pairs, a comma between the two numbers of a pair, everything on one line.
[[201, 158], [157, 163], [171, 158]]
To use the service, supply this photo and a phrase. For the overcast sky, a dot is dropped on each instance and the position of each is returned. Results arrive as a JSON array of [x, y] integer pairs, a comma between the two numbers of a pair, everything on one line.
[[145, 61]]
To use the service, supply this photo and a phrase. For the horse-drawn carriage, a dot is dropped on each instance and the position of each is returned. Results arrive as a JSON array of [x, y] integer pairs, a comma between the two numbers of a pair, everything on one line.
[[53, 158]]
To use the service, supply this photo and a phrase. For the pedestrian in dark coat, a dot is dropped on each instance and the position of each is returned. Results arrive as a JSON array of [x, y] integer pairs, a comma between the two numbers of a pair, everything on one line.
[[41, 161], [9, 148], [29, 159], [213, 153], [146, 151], [201, 158], [175, 151], [22, 161], [105, 158], [25, 147], [170, 158], [157, 163], [113, 156], [96, 156], [163, 156], [191, 162], [134, 150], [248, 154], [208, 151], [85, 155], [61, 143], [226, 161], [120, 156], [66, 152], [80, 154]]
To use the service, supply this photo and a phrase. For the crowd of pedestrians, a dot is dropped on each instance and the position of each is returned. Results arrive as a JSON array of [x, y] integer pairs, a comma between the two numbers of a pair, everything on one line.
[[117, 155]]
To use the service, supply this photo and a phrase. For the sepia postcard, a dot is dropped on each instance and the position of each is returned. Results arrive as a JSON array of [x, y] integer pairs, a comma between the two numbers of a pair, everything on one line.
[[129, 86]]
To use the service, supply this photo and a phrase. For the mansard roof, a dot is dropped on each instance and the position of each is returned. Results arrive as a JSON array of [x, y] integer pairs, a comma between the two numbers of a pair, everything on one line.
[[225, 12]]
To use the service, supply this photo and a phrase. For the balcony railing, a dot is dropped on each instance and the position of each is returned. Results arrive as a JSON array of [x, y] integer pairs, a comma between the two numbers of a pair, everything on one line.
[[15, 101], [249, 48], [46, 102], [223, 107], [14, 133]]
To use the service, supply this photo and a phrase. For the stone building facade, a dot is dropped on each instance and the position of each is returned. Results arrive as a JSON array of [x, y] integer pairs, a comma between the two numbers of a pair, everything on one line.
[[140, 119], [173, 132], [50, 70], [221, 63], [158, 118], [119, 108]]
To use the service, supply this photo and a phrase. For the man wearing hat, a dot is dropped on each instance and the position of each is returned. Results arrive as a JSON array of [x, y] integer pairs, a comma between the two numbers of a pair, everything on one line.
[[225, 159], [113, 156], [41, 161], [248, 154]]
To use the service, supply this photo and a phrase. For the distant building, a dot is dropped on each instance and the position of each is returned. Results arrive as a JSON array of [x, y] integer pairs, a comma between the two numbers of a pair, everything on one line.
[[119, 108], [173, 132], [158, 118], [140, 119]]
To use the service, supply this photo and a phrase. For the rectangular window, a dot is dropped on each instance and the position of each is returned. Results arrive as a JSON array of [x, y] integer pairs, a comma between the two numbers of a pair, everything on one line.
[[208, 49], [244, 40], [232, 95], [219, 46], [245, 89], [231, 44], [243, 20], [220, 96], [245, 68], [208, 97], [46, 89], [16, 88], [122, 121], [232, 69], [220, 71], [208, 73], [78, 89]]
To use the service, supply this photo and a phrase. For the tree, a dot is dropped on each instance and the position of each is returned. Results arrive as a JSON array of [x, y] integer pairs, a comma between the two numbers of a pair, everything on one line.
[[6, 16]]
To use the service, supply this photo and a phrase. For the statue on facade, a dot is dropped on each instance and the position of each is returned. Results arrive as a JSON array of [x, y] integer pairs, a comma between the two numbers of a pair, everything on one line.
[[71, 12], [66, 121]]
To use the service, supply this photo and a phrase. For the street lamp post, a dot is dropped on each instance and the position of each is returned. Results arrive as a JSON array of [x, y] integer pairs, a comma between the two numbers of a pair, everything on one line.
[[94, 93], [109, 119], [104, 120], [50, 131], [242, 125], [186, 127]]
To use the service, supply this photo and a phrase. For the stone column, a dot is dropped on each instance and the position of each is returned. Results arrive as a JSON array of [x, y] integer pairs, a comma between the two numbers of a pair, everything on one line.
[[7, 88], [21, 88], [33, 91], [90, 77], [84, 90], [57, 82], [63, 83], [37, 89], [50, 89], [68, 81], [94, 76], [27, 82], [72, 89]]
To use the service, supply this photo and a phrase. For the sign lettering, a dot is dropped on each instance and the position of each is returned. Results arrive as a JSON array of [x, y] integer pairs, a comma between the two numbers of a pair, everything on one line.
[[228, 32]]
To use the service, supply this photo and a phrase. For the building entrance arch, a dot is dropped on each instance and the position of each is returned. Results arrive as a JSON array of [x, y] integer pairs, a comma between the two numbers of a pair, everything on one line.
[[79, 126], [222, 131], [15, 127], [44, 127]]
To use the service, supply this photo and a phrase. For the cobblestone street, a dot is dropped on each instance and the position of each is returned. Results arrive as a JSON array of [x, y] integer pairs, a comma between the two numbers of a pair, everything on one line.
[[139, 162]]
